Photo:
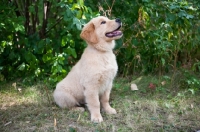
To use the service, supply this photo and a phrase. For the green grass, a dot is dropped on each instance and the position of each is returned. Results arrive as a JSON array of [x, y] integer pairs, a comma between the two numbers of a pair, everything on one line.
[[168, 108]]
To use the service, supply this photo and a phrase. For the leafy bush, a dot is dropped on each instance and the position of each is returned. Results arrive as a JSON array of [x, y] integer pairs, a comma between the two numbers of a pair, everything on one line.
[[41, 38], [190, 81], [158, 35]]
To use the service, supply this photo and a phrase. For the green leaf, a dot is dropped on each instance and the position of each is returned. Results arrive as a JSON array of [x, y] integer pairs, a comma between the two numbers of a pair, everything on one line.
[[146, 1], [37, 72], [57, 68], [172, 7], [192, 91], [64, 41], [47, 57], [12, 55], [81, 2], [39, 48], [189, 16], [163, 61], [71, 51], [77, 22], [19, 27], [30, 57], [21, 67], [32, 9], [76, 6], [79, 14], [68, 15]]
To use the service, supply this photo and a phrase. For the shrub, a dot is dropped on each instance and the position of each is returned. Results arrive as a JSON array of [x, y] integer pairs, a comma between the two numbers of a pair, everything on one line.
[[40, 38]]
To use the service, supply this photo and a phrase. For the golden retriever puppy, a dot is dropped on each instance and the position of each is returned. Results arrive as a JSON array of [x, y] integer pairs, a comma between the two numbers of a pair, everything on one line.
[[90, 80]]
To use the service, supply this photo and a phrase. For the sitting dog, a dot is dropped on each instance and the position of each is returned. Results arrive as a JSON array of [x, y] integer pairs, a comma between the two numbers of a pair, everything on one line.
[[90, 80]]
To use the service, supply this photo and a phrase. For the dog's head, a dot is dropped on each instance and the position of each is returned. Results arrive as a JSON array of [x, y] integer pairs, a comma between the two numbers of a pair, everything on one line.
[[101, 29]]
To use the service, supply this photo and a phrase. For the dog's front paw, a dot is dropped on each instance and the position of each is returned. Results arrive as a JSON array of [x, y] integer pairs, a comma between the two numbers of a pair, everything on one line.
[[96, 118], [110, 111]]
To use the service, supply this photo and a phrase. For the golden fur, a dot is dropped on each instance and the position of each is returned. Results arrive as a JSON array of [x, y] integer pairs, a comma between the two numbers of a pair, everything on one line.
[[90, 80]]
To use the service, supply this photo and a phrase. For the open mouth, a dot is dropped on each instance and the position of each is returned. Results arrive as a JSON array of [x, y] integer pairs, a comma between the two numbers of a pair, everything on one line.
[[114, 33]]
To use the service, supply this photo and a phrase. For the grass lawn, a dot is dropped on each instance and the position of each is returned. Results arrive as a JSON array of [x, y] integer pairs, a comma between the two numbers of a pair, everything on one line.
[[167, 108]]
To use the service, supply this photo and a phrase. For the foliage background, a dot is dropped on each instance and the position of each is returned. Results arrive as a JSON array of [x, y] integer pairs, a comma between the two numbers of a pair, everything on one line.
[[41, 38]]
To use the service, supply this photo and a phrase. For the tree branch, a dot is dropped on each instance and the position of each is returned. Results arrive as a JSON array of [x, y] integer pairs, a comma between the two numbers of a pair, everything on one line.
[[46, 7], [57, 21]]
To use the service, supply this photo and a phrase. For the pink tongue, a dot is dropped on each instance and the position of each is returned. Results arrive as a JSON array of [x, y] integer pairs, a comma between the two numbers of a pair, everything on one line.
[[114, 33]]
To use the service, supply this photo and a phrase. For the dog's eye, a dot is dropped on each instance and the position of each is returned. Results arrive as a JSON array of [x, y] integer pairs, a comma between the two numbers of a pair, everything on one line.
[[103, 22]]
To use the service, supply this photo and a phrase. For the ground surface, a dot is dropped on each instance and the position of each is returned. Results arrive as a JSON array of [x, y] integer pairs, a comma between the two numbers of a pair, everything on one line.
[[165, 108]]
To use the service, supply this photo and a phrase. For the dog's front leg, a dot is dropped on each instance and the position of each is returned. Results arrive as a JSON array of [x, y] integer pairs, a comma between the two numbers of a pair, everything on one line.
[[105, 103], [93, 104]]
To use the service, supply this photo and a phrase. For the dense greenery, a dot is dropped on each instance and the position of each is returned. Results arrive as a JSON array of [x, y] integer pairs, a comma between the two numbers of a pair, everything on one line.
[[159, 35], [41, 38]]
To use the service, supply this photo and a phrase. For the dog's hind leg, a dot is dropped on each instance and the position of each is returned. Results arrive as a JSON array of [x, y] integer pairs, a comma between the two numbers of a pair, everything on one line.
[[64, 99]]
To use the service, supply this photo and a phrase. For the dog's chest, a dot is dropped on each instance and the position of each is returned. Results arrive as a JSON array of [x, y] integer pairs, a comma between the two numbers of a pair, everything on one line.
[[109, 69], [110, 65], [98, 71]]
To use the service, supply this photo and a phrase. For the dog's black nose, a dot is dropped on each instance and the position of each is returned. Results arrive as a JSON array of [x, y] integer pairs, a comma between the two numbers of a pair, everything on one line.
[[117, 20]]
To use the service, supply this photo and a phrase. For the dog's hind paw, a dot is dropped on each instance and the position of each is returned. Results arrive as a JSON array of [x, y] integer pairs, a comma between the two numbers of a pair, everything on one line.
[[79, 109]]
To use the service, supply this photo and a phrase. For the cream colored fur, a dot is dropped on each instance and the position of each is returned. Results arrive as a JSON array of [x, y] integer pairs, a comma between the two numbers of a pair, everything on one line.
[[90, 80]]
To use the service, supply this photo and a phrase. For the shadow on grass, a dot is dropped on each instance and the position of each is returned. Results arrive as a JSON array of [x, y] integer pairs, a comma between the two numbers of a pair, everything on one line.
[[26, 117]]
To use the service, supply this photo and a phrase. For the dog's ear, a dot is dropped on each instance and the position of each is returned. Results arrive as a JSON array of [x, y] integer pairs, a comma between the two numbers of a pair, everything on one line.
[[88, 33]]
